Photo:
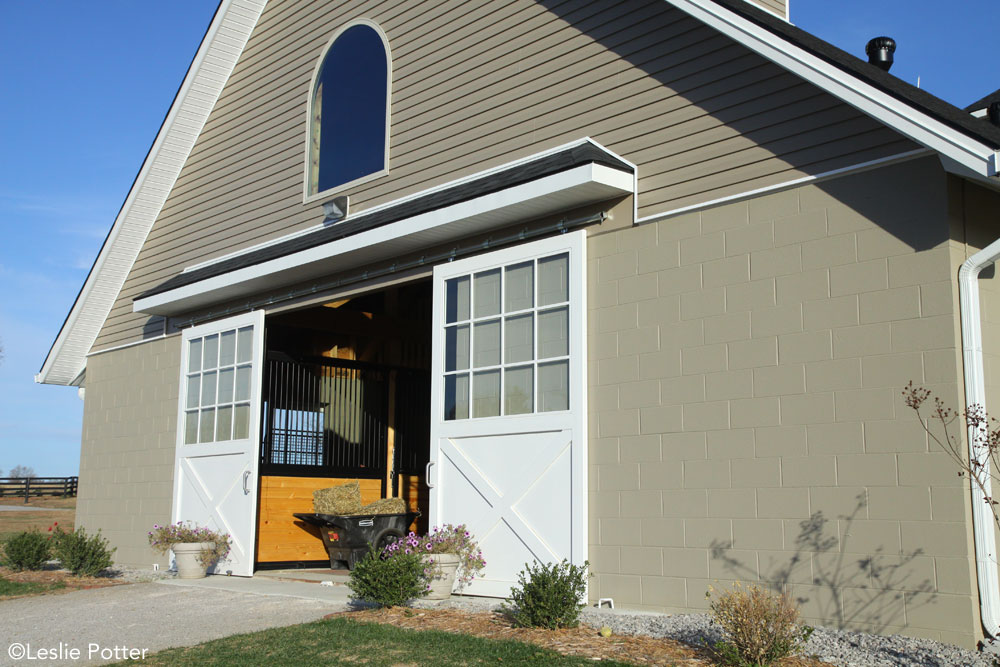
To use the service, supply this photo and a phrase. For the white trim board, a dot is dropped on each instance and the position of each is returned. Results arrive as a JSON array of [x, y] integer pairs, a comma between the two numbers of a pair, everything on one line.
[[123, 346], [212, 65], [896, 114], [579, 186], [813, 178]]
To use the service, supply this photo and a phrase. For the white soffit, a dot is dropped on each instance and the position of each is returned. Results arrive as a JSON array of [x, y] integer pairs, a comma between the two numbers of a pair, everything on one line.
[[900, 116], [220, 49], [575, 187]]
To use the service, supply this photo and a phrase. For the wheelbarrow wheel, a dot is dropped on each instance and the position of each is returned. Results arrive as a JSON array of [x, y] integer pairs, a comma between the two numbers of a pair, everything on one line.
[[385, 538]]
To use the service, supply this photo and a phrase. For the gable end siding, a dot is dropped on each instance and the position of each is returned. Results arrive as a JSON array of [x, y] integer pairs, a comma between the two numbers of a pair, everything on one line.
[[779, 7], [475, 86]]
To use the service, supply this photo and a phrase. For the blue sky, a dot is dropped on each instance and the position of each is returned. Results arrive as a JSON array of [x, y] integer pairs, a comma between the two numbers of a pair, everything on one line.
[[86, 86]]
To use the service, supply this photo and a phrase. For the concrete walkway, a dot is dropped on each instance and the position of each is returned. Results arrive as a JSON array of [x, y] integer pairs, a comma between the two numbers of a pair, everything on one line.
[[102, 624]]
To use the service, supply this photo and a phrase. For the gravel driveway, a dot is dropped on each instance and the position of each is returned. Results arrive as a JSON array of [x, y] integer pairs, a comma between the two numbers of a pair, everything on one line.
[[25, 508], [152, 616]]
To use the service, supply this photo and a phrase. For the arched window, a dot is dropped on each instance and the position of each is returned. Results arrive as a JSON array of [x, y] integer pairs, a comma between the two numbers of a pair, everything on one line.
[[349, 119]]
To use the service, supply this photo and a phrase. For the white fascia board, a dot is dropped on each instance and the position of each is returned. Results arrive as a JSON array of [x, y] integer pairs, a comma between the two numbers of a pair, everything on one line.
[[898, 115], [210, 69], [572, 188]]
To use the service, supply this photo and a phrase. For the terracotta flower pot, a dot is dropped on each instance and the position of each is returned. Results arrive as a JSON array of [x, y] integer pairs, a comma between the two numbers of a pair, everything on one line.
[[187, 556], [443, 569]]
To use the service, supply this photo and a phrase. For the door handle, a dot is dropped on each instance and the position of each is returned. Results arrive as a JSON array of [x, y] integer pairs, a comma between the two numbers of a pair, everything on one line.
[[427, 475], [246, 480]]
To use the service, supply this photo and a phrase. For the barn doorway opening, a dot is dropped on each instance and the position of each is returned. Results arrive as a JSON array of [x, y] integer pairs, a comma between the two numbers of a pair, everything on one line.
[[345, 396]]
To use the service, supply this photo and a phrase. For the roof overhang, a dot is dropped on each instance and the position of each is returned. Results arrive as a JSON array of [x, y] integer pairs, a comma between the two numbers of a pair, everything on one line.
[[905, 118], [549, 194], [213, 63]]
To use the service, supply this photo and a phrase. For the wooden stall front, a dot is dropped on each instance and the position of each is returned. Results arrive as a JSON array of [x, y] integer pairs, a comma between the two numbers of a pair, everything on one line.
[[281, 538]]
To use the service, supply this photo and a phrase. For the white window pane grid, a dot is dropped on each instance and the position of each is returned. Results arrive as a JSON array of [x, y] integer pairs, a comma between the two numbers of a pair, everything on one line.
[[509, 359], [217, 397]]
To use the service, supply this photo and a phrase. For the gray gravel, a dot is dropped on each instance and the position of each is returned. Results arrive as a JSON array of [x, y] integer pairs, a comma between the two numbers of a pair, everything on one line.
[[135, 575], [845, 648]]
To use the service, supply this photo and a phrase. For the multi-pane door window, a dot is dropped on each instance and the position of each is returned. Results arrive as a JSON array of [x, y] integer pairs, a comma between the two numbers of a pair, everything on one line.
[[217, 402], [507, 340]]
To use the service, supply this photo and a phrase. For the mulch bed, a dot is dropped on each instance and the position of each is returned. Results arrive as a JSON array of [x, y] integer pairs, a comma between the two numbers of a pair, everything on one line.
[[582, 641], [71, 582]]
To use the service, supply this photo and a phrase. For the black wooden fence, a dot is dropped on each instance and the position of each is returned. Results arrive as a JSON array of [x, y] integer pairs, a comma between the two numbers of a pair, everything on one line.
[[38, 486]]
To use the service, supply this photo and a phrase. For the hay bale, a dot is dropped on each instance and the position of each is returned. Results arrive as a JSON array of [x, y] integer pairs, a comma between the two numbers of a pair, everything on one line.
[[385, 506], [342, 500]]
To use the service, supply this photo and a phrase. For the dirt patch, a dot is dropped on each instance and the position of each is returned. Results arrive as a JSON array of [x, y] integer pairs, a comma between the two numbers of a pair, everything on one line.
[[49, 577], [582, 641]]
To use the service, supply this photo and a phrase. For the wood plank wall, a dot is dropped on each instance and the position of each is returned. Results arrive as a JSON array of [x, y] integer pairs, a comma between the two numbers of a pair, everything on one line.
[[283, 538], [417, 495], [280, 536]]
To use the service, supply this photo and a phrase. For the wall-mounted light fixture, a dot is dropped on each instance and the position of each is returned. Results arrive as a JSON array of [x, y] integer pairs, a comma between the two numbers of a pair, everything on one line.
[[335, 210]]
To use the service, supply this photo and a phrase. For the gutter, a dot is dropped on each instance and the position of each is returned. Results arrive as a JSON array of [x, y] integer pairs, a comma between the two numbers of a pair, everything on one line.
[[983, 524]]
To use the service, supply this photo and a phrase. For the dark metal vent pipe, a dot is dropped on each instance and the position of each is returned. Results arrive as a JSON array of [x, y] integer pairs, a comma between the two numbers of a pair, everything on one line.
[[993, 113], [880, 52]]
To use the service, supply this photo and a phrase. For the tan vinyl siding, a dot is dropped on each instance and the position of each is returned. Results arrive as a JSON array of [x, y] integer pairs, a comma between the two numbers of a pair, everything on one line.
[[127, 454], [479, 84], [779, 7], [746, 412]]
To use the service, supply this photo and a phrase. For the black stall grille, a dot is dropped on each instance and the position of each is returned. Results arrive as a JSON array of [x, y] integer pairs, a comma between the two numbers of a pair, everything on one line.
[[324, 417], [412, 421]]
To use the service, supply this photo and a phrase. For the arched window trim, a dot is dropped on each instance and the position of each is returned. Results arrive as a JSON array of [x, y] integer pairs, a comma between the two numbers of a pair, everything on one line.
[[326, 194]]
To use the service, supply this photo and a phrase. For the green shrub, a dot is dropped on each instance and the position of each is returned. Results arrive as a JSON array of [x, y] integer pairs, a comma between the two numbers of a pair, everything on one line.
[[548, 596], [81, 554], [760, 627], [390, 582], [27, 550]]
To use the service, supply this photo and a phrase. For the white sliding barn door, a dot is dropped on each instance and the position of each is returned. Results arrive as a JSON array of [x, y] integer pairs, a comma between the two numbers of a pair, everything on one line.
[[218, 433], [508, 401]]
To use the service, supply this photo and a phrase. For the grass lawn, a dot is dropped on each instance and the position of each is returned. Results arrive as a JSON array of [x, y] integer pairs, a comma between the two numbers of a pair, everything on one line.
[[341, 641], [18, 588]]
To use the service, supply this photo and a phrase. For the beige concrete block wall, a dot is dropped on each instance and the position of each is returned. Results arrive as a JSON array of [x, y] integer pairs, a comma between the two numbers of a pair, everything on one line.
[[127, 454], [746, 418]]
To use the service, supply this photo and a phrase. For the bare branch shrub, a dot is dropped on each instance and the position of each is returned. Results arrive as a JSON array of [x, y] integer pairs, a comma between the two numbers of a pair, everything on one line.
[[984, 432]]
